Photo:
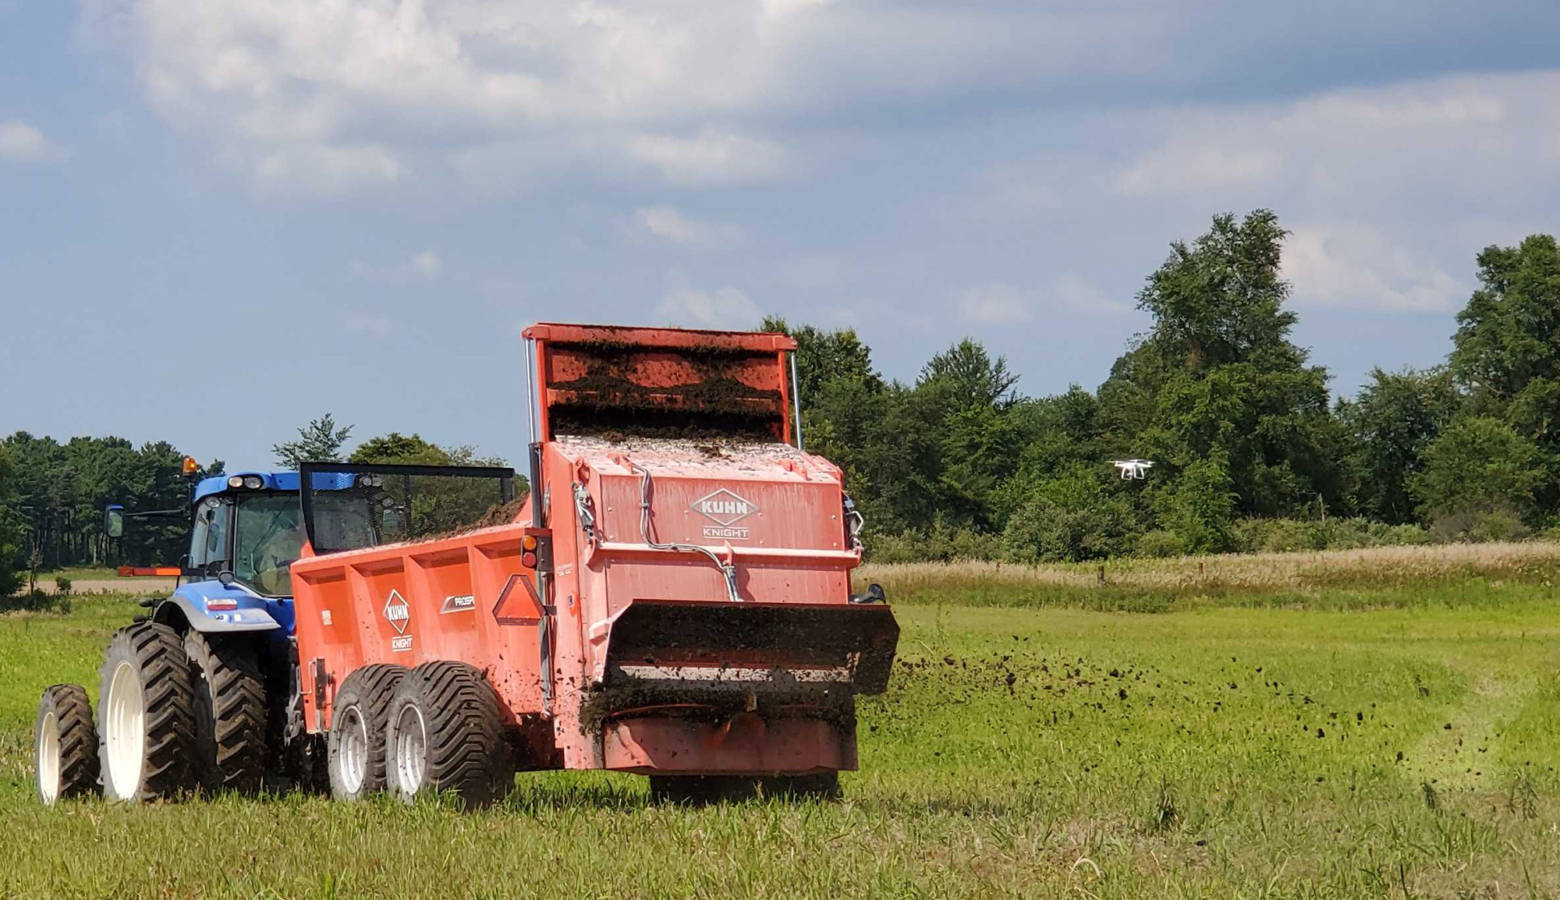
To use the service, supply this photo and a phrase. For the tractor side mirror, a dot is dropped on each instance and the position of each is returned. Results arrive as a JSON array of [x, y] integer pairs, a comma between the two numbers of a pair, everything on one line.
[[114, 521]]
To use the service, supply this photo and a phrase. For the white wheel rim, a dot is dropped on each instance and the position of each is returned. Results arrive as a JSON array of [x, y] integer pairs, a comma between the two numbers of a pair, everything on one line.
[[411, 750], [352, 755], [48, 753], [126, 737]]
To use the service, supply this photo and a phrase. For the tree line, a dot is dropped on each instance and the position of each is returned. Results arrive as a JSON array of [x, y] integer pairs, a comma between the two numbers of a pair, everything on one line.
[[53, 494], [1250, 449]]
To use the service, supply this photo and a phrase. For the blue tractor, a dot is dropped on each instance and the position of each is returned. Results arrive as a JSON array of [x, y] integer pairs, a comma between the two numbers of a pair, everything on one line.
[[195, 693], [202, 691]]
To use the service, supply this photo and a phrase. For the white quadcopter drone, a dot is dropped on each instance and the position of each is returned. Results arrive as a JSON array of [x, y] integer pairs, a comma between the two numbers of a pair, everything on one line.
[[1131, 469]]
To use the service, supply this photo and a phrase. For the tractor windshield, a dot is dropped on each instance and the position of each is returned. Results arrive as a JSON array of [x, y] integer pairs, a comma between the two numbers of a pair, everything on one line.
[[268, 536], [386, 504]]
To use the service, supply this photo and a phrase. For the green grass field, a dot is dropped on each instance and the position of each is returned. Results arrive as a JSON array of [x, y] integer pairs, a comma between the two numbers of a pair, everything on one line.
[[1361, 726]]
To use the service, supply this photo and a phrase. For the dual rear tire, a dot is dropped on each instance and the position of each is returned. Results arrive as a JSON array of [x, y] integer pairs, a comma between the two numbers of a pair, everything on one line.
[[146, 722], [230, 713], [432, 729], [174, 714]]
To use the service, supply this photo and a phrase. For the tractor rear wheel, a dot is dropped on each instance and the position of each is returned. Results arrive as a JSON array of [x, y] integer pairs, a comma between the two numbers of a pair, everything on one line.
[[146, 715], [65, 744], [355, 751], [446, 733], [230, 718]]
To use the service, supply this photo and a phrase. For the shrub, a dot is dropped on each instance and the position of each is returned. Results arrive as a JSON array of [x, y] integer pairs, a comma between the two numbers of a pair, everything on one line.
[[892, 548], [1068, 519], [1160, 543], [1201, 509], [1494, 521], [1478, 468], [1289, 535], [35, 600], [943, 543]]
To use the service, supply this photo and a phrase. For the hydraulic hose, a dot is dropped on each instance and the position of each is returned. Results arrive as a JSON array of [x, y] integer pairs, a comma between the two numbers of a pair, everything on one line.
[[727, 570]]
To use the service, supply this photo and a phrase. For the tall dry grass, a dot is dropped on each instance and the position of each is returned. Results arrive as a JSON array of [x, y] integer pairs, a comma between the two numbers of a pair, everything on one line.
[[1255, 573]]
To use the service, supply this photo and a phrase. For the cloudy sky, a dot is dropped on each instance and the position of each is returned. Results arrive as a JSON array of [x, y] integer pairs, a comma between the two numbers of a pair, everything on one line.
[[219, 219]]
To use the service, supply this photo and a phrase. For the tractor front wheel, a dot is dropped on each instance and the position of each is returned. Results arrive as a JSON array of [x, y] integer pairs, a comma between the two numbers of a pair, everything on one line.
[[65, 744], [446, 733], [146, 715]]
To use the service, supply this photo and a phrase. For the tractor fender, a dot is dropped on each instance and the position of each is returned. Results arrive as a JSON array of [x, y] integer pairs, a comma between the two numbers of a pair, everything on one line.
[[194, 615]]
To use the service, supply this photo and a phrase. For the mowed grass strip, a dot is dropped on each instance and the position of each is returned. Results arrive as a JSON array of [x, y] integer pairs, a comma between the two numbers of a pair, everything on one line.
[[1237, 749]]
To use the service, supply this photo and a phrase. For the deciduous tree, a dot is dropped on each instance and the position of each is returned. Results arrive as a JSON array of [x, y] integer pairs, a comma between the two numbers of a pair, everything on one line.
[[318, 441]]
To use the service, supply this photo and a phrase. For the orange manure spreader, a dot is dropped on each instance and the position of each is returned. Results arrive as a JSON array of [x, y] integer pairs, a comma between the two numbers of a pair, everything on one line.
[[671, 599]]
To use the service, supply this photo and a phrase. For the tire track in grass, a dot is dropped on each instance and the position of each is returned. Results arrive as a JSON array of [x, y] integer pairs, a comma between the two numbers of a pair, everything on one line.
[[1461, 750]]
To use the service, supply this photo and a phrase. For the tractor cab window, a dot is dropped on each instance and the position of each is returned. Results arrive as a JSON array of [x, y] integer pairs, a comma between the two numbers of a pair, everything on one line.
[[351, 519], [209, 539], [269, 538]]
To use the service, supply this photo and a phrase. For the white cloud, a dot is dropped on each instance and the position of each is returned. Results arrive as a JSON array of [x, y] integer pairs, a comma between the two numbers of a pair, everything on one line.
[[324, 169], [23, 142], [369, 324], [1355, 266], [994, 304], [667, 224], [424, 265], [1192, 165], [379, 89], [1390, 190], [710, 157], [1069, 294], [387, 89], [1074, 294], [724, 307]]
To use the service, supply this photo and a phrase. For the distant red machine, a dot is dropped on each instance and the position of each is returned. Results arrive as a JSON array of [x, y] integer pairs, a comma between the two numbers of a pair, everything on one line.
[[149, 571], [673, 598]]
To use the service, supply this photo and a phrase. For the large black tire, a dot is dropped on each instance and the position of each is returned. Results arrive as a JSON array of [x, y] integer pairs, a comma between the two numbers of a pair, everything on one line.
[[230, 719], [819, 786], [65, 745], [356, 745], [699, 790], [446, 733], [146, 716]]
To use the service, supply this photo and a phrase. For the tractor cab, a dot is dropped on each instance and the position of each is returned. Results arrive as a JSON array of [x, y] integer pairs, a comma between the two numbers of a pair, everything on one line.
[[248, 525], [246, 531]]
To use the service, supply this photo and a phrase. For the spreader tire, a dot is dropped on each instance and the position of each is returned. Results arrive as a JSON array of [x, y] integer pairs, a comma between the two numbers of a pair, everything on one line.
[[702, 790], [146, 715], [446, 733], [819, 786], [230, 720], [65, 744], [356, 745]]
